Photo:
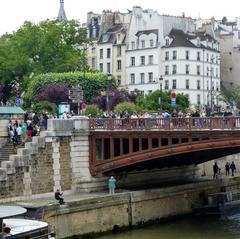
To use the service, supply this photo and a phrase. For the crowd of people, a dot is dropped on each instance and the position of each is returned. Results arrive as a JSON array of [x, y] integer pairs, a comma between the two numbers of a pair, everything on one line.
[[22, 131]]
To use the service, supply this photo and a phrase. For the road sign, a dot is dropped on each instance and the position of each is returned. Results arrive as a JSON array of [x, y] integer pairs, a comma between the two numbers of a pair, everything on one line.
[[173, 95], [173, 101], [18, 102]]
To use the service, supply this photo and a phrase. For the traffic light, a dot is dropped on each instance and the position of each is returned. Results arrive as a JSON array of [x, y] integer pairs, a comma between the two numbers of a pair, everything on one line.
[[18, 90]]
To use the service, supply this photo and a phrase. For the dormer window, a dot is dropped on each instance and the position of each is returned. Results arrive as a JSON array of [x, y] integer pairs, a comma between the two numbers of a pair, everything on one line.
[[167, 42], [133, 45], [198, 41], [143, 43], [119, 37], [151, 43]]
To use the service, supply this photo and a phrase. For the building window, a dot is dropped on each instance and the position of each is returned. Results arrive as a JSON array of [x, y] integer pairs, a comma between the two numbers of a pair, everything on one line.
[[151, 43], [133, 45], [143, 44], [207, 85], [93, 50], [187, 84], [207, 71], [108, 53], [108, 67], [133, 61], [198, 99], [93, 63], [119, 65], [132, 78], [101, 53], [174, 56], [167, 42], [166, 56], [119, 50], [142, 78], [198, 56], [142, 60], [166, 84], [187, 55], [174, 84], [207, 57], [150, 60], [101, 67], [187, 69], [217, 72], [150, 77], [166, 70], [174, 69], [198, 70], [119, 80], [198, 85]]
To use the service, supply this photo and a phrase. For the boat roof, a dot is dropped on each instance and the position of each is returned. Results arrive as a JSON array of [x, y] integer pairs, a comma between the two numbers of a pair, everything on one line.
[[18, 226], [11, 211]]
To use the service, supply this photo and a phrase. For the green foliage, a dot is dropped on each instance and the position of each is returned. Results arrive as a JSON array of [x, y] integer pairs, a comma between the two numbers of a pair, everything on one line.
[[44, 106], [50, 46], [92, 83], [126, 107], [93, 111], [231, 96], [150, 101]]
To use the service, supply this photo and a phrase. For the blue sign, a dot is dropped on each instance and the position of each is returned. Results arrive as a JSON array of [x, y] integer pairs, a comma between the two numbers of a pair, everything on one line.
[[18, 102], [173, 101]]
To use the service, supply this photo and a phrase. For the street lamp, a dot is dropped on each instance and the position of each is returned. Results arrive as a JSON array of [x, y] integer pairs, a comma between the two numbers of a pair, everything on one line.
[[160, 98], [211, 82], [109, 78]]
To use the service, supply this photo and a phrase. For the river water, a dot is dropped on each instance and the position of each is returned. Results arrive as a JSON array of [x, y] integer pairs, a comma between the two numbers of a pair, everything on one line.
[[187, 228]]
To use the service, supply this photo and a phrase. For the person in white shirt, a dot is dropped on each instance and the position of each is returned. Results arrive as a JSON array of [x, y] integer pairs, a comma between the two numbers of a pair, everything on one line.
[[19, 132]]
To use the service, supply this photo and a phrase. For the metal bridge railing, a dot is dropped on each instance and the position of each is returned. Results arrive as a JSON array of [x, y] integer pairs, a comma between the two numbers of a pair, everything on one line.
[[207, 123]]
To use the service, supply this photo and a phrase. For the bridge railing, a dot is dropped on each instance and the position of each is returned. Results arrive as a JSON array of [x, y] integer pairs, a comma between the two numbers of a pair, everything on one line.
[[208, 123]]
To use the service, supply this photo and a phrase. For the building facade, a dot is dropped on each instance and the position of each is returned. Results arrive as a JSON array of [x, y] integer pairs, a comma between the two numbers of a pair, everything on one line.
[[191, 65]]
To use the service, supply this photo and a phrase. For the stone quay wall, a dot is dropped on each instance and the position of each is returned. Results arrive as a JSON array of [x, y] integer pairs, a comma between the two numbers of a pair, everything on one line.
[[58, 159], [126, 210]]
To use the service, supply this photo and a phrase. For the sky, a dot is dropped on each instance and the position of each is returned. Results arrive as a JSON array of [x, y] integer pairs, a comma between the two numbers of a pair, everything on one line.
[[13, 13]]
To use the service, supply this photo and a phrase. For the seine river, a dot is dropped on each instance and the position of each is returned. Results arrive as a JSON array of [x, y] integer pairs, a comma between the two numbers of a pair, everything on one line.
[[187, 228]]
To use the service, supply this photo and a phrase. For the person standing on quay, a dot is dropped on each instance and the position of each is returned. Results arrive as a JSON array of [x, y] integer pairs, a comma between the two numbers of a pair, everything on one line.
[[233, 168], [227, 168], [111, 185], [215, 171]]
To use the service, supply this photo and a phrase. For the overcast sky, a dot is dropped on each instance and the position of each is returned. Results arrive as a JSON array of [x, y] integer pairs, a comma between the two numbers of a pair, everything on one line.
[[14, 12]]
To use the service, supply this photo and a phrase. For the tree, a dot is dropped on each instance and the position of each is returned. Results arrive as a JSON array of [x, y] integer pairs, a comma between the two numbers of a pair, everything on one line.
[[93, 111], [126, 107], [231, 96], [44, 106], [151, 101], [115, 97], [50, 46], [54, 93]]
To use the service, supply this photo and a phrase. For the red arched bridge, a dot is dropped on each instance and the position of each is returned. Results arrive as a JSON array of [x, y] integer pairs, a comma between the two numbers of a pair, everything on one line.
[[137, 144]]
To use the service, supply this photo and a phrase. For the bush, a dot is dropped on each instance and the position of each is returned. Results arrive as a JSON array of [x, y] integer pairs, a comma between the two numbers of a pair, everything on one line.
[[44, 106], [92, 83], [126, 106], [93, 110]]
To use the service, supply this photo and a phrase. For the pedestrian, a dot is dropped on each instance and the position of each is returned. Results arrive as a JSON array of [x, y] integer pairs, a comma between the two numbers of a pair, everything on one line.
[[215, 171], [59, 197], [233, 168], [227, 168], [111, 185]]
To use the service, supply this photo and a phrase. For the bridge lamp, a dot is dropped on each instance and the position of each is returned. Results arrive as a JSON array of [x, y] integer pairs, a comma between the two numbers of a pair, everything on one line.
[[109, 78], [160, 98]]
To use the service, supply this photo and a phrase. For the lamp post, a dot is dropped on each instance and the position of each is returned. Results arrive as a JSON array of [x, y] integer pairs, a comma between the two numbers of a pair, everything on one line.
[[109, 78], [160, 98], [211, 81]]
